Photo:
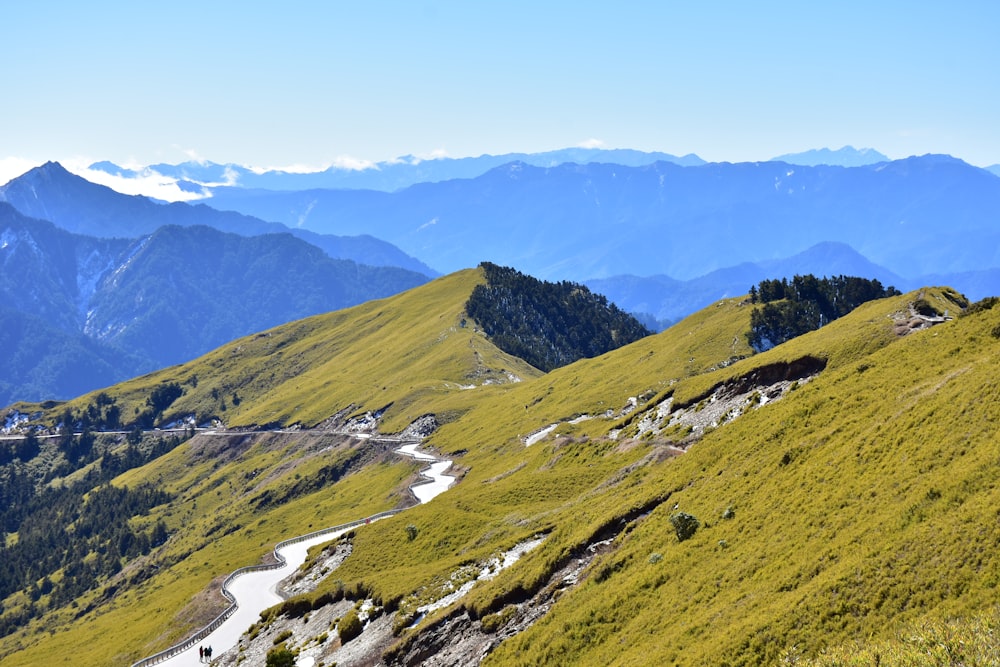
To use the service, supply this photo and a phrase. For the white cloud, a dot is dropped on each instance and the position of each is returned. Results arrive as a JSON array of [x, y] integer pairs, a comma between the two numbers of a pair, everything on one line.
[[353, 163], [148, 183], [591, 143], [340, 162], [191, 154], [436, 154], [231, 176]]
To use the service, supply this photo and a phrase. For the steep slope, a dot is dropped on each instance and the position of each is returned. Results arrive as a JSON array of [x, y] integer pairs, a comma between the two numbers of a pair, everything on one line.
[[41, 361], [860, 501], [50, 192], [186, 290], [843, 509], [48, 272], [158, 300], [841, 483], [398, 356]]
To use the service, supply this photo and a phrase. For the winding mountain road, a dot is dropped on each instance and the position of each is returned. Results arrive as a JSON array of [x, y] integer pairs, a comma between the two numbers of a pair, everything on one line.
[[255, 591]]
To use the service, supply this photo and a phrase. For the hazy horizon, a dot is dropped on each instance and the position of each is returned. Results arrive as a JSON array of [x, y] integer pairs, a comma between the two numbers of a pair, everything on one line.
[[315, 84]]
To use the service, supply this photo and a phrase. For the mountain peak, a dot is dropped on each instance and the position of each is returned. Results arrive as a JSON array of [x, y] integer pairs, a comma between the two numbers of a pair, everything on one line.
[[846, 156]]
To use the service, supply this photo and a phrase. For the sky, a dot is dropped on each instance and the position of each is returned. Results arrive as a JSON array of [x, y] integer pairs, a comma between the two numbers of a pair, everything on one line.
[[311, 84]]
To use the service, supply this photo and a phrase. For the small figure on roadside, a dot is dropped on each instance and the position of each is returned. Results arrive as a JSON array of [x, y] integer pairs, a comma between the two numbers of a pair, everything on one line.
[[201, 654]]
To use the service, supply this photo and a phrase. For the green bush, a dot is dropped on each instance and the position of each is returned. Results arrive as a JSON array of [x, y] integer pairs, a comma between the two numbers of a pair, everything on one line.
[[493, 622], [685, 525], [280, 657], [349, 626]]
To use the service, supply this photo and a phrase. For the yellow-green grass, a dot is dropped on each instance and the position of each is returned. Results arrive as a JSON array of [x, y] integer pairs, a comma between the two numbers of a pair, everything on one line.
[[967, 641], [491, 434], [214, 531], [863, 500]]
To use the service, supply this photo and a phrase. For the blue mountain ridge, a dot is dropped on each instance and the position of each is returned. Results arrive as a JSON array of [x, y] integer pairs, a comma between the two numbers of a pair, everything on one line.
[[923, 215], [847, 156], [50, 192], [385, 176]]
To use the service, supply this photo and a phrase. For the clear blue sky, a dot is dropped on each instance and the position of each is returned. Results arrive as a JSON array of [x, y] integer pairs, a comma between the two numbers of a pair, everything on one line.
[[282, 83]]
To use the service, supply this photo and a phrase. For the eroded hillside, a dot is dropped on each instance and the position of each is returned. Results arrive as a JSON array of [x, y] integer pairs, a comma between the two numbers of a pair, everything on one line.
[[686, 502]]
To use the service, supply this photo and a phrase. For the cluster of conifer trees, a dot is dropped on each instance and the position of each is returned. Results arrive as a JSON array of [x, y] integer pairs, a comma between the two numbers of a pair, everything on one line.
[[790, 309], [67, 544], [548, 324], [59, 540]]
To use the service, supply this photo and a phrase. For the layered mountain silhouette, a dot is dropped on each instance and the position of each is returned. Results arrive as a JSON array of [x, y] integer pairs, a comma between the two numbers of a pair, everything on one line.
[[50, 192], [156, 300], [848, 156], [386, 176], [921, 215], [660, 239]]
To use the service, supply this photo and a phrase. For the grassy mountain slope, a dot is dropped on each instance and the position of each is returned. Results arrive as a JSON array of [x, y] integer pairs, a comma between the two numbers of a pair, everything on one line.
[[863, 500], [411, 353], [404, 341], [860, 501], [187, 290]]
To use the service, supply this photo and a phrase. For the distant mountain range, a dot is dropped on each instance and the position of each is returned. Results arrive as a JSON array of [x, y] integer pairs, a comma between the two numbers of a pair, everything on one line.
[[50, 192], [391, 175], [102, 310], [921, 215], [848, 156], [386, 176]]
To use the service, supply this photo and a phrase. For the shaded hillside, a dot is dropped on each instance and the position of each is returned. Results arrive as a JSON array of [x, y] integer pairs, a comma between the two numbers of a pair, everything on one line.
[[42, 361], [548, 324], [840, 486], [157, 300], [50, 192], [186, 290], [49, 272]]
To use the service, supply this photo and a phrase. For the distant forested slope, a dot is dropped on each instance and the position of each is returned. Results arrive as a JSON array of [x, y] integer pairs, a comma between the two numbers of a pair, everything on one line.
[[548, 324]]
